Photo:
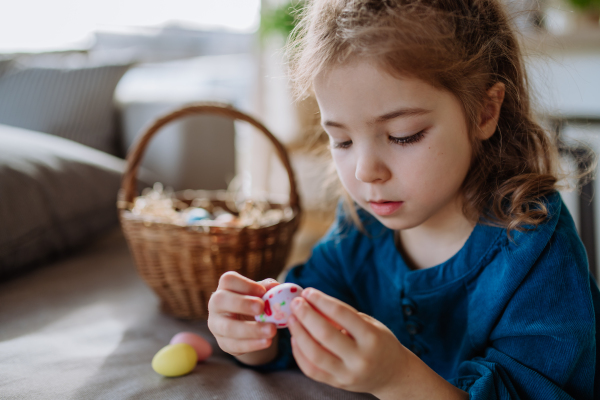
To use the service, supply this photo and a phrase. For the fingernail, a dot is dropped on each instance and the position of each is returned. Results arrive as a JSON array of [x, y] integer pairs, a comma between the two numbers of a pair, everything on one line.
[[295, 304], [256, 309], [291, 320], [266, 330], [306, 293]]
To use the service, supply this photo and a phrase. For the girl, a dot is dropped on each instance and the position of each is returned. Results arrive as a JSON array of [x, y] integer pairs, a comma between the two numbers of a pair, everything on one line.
[[453, 270]]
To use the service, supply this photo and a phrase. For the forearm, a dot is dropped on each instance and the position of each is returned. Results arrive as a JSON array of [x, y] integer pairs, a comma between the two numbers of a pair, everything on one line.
[[420, 382], [262, 356]]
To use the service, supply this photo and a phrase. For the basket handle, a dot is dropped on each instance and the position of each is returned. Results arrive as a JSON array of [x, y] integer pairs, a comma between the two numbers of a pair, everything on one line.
[[134, 158]]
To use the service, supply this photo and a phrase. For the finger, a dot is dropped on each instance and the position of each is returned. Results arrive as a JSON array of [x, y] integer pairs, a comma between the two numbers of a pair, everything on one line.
[[269, 283], [321, 330], [340, 312], [237, 347], [308, 368], [314, 352], [332, 322], [224, 301], [231, 328], [235, 282], [368, 318]]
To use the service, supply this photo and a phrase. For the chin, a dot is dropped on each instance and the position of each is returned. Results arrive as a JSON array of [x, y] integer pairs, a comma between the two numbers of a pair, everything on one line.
[[397, 223]]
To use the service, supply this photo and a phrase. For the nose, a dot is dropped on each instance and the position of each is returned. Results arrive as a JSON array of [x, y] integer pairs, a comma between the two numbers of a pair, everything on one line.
[[371, 168]]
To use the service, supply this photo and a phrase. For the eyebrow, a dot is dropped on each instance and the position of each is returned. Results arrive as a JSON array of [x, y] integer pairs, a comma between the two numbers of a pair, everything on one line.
[[403, 112]]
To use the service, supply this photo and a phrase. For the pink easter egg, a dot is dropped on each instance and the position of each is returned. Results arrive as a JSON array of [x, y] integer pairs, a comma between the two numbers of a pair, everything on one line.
[[277, 304], [202, 347]]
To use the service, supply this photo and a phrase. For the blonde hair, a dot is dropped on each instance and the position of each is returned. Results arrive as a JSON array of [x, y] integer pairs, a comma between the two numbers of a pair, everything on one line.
[[463, 47]]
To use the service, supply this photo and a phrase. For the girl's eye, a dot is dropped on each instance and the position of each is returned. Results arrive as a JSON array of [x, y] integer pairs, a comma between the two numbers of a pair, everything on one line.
[[405, 141], [342, 145]]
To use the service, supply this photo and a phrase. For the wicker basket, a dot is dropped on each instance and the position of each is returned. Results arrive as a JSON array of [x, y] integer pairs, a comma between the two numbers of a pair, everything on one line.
[[183, 264]]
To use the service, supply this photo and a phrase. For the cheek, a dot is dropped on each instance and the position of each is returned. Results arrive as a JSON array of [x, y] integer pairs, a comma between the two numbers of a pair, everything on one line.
[[457, 155], [439, 166], [345, 167]]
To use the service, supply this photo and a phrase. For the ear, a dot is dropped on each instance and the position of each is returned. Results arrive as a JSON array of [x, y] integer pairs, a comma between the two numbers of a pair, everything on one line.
[[488, 119]]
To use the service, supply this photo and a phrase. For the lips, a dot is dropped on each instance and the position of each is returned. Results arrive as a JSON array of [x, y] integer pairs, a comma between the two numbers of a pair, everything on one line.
[[383, 208]]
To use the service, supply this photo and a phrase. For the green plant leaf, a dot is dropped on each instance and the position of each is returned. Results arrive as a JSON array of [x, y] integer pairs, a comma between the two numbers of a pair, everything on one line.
[[281, 19], [586, 4]]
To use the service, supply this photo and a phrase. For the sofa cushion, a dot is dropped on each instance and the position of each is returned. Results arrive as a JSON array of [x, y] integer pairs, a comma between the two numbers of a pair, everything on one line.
[[55, 195], [68, 95]]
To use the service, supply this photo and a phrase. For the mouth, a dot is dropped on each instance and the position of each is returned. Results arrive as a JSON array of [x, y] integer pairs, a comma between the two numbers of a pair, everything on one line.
[[383, 207]]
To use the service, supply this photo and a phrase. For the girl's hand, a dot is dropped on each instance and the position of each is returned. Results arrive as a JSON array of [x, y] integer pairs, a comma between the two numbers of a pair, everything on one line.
[[335, 344], [231, 311]]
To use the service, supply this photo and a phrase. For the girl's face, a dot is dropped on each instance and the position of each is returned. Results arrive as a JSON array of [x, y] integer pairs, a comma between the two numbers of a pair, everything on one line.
[[400, 146]]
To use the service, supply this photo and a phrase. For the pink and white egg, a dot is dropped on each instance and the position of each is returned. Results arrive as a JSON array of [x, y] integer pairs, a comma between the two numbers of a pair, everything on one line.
[[201, 346], [277, 304]]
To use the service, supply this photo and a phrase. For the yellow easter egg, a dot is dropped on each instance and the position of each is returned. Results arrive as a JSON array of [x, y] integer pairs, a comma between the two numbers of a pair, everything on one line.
[[175, 360]]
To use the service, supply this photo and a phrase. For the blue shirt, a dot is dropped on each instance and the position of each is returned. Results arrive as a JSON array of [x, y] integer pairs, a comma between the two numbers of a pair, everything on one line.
[[501, 319]]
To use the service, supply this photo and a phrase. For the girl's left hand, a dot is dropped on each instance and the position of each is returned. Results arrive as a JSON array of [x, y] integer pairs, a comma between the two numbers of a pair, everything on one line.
[[335, 344]]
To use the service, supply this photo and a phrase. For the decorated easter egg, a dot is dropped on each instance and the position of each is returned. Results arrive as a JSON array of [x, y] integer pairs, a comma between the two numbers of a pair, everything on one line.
[[277, 304], [201, 346], [175, 360], [195, 215]]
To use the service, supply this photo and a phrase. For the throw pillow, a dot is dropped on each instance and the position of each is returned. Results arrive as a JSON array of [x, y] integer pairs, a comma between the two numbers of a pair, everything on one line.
[[68, 95]]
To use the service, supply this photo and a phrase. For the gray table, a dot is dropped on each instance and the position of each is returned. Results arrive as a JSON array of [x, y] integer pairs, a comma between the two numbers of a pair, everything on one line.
[[87, 327]]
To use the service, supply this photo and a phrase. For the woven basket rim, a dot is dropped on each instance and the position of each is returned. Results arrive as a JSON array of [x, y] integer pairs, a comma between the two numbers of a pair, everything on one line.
[[128, 214], [135, 155]]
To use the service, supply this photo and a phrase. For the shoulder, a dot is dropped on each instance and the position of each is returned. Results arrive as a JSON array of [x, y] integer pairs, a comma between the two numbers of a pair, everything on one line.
[[541, 273], [546, 275], [553, 244], [547, 318]]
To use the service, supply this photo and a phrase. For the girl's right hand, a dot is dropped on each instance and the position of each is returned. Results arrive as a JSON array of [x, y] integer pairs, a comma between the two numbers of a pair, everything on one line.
[[231, 311]]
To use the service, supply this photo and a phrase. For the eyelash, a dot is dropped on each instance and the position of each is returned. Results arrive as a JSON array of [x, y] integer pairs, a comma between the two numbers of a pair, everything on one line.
[[402, 141], [412, 139]]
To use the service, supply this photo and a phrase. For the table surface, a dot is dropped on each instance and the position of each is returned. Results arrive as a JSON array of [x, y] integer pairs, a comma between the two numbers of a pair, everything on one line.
[[87, 327]]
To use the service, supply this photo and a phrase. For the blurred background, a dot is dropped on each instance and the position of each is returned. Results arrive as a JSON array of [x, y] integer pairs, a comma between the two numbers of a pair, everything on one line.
[[99, 72]]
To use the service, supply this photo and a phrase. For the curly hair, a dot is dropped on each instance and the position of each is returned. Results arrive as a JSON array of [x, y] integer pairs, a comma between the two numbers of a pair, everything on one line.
[[463, 47]]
